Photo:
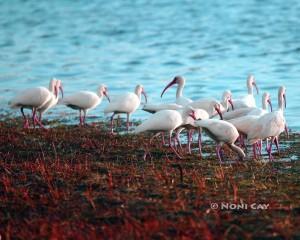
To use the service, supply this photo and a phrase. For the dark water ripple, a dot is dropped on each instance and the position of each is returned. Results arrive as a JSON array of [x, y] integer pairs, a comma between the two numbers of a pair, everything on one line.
[[214, 44]]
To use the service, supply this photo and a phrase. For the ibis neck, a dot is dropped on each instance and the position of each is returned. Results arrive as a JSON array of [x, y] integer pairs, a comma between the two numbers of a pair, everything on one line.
[[280, 102], [264, 104], [250, 89], [100, 94], [179, 90], [138, 93], [51, 86], [225, 104]]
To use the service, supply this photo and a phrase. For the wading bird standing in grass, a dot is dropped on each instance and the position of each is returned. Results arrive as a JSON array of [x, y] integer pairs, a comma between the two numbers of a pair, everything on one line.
[[200, 114], [126, 103], [166, 121], [85, 101], [248, 100], [244, 118], [270, 125], [221, 132], [52, 102], [34, 99]]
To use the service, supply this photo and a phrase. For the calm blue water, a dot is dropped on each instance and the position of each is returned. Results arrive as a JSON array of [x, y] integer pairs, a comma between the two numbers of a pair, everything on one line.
[[213, 44]]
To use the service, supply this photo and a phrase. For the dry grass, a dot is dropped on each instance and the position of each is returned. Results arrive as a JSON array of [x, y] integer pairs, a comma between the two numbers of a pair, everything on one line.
[[81, 183]]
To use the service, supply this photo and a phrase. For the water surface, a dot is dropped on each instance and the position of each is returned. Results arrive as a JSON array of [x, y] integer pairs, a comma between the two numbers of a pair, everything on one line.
[[213, 44]]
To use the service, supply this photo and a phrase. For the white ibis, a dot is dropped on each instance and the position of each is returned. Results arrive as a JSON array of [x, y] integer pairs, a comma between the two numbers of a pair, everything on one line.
[[153, 108], [166, 121], [209, 104], [200, 114], [266, 99], [33, 98], [125, 103], [248, 100], [221, 132], [180, 99], [244, 118], [270, 125], [51, 103], [85, 101]]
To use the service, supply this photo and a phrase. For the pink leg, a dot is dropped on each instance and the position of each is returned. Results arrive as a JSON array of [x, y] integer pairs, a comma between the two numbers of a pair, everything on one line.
[[163, 138], [254, 150], [34, 117], [84, 116], [218, 148], [154, 136], [119, 121], [242, 141], [26, 122], [276, 143], [286, 130], [200, 141], [178, 140], [112, 123], [127, 123], [147, 152], [189, 141], [260, 147], [269, 150], [174, 150], [36, 120], [80, 118]]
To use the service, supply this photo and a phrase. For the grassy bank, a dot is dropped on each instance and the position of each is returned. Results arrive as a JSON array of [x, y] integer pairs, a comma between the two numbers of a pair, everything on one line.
[[71, 182]]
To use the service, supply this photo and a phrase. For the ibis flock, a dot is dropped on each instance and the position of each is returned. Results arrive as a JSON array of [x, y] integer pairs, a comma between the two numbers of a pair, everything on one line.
[[235, 122]]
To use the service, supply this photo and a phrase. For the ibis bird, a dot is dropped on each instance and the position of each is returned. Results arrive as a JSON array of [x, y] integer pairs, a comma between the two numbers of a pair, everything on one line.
[[180, 99], [34, 99], [266, 99], [52, 102], [85, 101], [166, 121], [209, 104], [200, 114], [248, 100], [244, 118], [125, 103], [270, 125], [221, 132]]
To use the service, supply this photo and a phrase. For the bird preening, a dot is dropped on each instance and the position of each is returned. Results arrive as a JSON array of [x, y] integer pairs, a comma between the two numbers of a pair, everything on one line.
[[232, 121]]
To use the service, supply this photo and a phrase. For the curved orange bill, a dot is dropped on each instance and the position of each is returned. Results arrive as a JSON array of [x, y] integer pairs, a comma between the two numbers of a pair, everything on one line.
[[145, 95], [62, 91], [231, 103], [106, 95], [219, 112], [270, 104], [169, 85], [254, 84], [55, 91]]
